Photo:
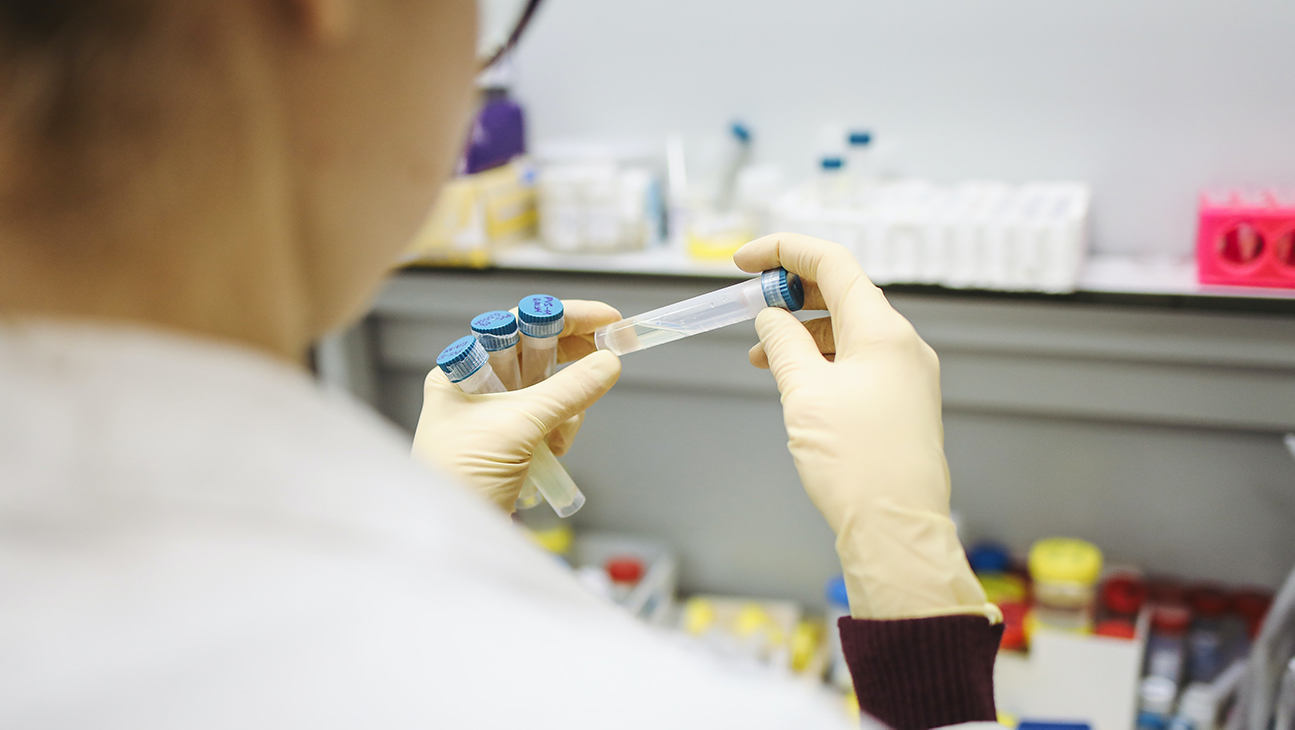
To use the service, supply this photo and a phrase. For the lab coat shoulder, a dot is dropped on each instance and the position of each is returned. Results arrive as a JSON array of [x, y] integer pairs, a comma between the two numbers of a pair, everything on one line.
[[197, 537]]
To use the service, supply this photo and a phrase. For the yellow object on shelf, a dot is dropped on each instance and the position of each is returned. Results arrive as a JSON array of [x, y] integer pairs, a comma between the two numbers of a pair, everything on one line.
[[806, 640], [1065, 573], [556, 540], [474, 214], [852, 706], [1065, 560], [716, 247], [698, 616]]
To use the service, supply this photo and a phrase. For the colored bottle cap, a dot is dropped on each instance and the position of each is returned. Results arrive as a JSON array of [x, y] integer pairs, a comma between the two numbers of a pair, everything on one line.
[[1172, 620], [835, 592], [860, 138], [1164, 590], [624, 569], [740, 132], [782, 289], [831, 163], [1124, 593], [1065, 560], [461, 359], [496, 330], [1209, 600], [540, 315], [989, 557]]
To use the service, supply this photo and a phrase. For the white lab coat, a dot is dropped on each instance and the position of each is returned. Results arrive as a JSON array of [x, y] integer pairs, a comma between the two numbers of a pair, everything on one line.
[[196, 536]]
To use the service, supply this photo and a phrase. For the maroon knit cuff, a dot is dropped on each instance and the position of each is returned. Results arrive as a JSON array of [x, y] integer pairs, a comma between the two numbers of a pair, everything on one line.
[[923, 672]]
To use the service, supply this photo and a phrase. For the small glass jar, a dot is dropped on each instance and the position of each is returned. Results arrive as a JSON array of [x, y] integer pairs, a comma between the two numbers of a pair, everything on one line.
[[1065, 573]]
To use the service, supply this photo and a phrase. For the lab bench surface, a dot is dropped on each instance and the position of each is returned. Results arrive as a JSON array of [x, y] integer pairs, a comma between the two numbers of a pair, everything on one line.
[[1151, 430]]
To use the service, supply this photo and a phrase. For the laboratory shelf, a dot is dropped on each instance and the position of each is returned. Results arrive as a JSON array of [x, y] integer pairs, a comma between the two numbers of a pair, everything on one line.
[[1157, 281]]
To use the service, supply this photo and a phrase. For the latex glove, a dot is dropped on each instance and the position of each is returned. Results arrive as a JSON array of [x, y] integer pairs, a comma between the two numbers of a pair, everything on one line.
[[488, 440], [865, 431]]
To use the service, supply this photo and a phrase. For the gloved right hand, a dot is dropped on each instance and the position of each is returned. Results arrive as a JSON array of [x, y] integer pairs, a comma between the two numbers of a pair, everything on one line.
[[865, 432]]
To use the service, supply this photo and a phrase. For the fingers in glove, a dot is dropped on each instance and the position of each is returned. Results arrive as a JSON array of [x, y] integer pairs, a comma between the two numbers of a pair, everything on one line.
[[789, 347], [581, 319], [861, 316], [561, 438], [568, 393], [820, 329]]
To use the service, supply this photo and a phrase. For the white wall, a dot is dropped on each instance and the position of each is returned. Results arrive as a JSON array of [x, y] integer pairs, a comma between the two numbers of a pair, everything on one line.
[[1147, 100]]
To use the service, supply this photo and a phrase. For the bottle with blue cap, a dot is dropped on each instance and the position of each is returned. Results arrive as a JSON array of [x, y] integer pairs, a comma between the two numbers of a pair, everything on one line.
[[720, 308], [833, 186], [467, 365], [498, 334], [858, 148], [540, 319]]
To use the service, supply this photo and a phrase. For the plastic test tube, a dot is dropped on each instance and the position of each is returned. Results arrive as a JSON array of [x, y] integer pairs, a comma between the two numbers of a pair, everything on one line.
[[720, 308], [466, 364], [497, 333], [540, 318]]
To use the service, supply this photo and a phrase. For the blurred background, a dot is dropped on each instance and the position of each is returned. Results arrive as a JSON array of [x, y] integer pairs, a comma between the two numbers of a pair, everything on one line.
[[1085, 208]]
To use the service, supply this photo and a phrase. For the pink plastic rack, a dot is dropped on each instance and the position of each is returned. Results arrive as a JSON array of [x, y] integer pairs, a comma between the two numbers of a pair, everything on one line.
[[1246, 238]]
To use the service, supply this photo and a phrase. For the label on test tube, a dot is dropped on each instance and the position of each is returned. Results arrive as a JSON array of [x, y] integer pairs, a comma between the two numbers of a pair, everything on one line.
[[720, 308], [540, 319]]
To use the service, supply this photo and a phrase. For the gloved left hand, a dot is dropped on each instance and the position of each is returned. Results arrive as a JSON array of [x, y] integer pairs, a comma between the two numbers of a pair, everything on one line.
[[488, 440]]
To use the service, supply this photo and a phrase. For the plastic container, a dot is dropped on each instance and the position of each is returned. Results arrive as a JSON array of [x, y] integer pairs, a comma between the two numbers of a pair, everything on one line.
[[540, 319], [1123, 594], [497, 332], [1167, 646], [1206, 657], [466, 364], [1156, 702], [1065, 573], [1246, 238], [625, 571], [720, 308], [858, 145], [651, 597], [832, 189]]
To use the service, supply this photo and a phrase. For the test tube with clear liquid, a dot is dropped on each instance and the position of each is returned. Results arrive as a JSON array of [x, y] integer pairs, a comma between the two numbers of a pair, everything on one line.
[[467, 365], [498, 335], [720, 308]]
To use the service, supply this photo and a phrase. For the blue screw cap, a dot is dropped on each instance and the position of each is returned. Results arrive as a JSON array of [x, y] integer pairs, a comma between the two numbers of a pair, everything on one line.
[[496, 330], [989, 557], [740, 132], [831, 163], [835, 592], [782, 289], [540, 315], [860, 138], [461, 359]]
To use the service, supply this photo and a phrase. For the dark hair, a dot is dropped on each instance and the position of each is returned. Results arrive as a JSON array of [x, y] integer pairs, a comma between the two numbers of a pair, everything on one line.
[[54, 58], [37, 22]]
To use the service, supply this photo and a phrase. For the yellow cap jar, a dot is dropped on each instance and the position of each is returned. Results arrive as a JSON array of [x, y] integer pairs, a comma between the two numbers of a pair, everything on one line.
[[1065, 572]]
